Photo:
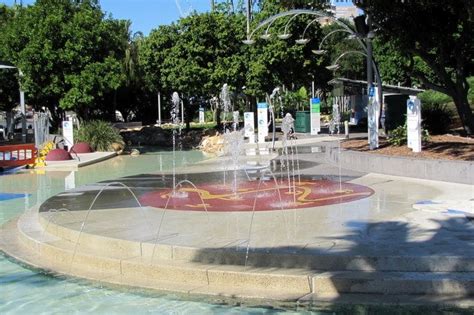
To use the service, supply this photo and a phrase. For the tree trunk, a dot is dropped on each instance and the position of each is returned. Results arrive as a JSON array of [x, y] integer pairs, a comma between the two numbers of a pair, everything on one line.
[[464, 110]]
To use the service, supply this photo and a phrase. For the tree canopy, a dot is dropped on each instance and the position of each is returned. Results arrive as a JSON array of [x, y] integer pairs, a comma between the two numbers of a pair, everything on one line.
[[68, 52], [74, 57], [437, 34]]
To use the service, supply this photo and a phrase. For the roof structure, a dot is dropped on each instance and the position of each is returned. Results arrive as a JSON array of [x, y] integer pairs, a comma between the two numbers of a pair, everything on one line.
[[387, 88]]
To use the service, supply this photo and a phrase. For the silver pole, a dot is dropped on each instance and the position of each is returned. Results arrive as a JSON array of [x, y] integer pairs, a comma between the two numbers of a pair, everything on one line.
[[159, 109], [23, 112], [373, 121], [249, 4], [182, 111]]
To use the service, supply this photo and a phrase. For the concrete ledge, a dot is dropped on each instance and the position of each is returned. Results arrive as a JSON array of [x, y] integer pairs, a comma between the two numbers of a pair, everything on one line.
[[441, 170], [80, 160], [26, 240]]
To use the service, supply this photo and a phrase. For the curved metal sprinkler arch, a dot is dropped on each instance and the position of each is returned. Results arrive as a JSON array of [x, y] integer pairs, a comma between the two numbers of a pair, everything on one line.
[[329, 34], [319, 14], [285, 14]]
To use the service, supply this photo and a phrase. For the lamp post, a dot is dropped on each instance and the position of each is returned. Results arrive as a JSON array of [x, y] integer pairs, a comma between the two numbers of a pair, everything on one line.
[[365, 45], [6, 65]]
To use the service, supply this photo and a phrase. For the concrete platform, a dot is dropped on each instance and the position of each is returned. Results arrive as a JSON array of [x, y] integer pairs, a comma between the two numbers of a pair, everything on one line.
[[79, 160], [411, 242]]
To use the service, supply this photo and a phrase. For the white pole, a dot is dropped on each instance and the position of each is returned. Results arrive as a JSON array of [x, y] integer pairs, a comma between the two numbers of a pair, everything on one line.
[[159, 109], [23, 112], [182, 112]]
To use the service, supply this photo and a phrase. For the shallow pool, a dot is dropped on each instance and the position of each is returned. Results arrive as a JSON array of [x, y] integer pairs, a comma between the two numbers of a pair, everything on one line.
[[26, 291]]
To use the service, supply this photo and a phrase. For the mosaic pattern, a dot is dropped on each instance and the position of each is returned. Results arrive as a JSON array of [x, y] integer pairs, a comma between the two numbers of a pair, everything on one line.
[[263, 195]]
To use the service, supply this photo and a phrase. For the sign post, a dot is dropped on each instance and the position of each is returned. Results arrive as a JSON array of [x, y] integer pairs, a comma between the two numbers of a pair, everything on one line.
[[315, 109], [249, 130], [249, 126], [201, 115], [373, 119], [262, 118], [414, 123], [68, 133]]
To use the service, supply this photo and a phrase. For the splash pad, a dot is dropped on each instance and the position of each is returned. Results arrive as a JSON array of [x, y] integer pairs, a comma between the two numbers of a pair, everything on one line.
[[257, 195], [318, 239]]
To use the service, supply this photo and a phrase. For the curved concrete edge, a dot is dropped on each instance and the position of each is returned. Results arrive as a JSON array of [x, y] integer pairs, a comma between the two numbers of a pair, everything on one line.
[[57, 257], [277, 259], [265, 285], [440, 170]]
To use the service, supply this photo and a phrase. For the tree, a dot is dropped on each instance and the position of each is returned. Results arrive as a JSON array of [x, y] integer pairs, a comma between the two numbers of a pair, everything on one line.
[[9, 95], [439, 33], [68, 52], [195, 56]]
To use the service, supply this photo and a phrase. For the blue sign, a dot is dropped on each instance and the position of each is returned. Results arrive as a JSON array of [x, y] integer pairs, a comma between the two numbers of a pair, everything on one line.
[[315, 100], [411, 105], [371, 91], [262, 105]]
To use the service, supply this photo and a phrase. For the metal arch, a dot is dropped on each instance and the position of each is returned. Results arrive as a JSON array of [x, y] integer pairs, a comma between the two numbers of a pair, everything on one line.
[[348, 53], [309, 24], [330, 33], [374, 65], [288, 13], [297, 12]]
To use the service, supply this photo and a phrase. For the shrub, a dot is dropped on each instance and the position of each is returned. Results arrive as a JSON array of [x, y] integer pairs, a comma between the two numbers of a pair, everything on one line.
[[99, 135], [433, 97], [436, 115], [437, 118], [399, 137]]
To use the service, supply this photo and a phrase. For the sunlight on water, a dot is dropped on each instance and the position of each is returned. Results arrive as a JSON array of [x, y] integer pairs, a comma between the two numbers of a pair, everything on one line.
[[24, 291]]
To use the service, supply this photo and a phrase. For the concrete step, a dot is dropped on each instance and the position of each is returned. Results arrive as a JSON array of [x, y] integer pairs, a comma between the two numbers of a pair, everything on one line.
[[394, 283], [42, 250], [64, 256], [276, 258]]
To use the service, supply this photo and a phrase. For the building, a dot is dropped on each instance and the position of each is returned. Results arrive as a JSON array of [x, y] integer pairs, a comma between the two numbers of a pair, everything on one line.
[[344, 9]]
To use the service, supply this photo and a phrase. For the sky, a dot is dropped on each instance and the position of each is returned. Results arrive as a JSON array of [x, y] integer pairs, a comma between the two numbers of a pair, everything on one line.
[[145, 14]]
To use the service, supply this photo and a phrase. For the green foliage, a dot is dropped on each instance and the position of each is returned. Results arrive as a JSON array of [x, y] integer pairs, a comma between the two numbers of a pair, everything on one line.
[[394, 66], [437, 117], [99, 135], [470, 95], [67, 52], [431, 97], [398, 136], [297, 100], [436, 36]]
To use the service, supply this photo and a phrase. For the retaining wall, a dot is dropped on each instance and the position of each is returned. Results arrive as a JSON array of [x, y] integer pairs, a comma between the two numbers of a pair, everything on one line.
[[442, 170]]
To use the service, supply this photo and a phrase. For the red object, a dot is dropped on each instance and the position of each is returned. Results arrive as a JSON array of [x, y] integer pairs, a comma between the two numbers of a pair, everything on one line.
[[81, 147], [58, 155], [17, 155], [264, 196]]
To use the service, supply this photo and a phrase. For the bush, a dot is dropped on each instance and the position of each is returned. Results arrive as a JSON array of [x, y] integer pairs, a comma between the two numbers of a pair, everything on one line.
[[432, 97], [399, 137], [437, 118], [436, 115], [99, 135]]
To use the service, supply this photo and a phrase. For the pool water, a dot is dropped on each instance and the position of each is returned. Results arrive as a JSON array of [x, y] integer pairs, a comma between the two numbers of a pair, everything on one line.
[[26, 291]]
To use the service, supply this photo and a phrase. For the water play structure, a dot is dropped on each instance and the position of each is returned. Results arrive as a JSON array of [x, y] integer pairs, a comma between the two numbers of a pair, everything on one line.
[[17, 155]]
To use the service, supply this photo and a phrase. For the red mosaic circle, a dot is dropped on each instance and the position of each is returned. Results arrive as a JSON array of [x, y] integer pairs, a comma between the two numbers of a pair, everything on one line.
[[264, 196]]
